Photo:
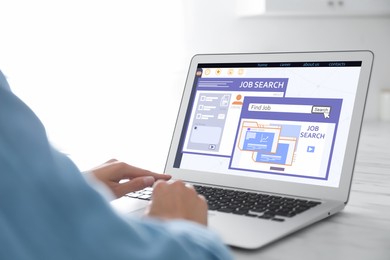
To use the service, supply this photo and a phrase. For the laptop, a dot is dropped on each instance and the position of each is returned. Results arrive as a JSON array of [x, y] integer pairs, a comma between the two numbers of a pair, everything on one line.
[[270, 139]]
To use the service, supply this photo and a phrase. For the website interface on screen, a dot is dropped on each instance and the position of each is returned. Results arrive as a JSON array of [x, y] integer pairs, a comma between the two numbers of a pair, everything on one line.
[[276, 121]]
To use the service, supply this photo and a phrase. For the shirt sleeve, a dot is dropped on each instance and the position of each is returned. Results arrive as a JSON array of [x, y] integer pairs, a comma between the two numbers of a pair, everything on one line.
[[48, 211], [3, 82]]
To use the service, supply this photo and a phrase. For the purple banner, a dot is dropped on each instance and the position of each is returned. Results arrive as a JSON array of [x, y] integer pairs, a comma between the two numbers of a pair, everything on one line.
[[243, 84], [296, 109]]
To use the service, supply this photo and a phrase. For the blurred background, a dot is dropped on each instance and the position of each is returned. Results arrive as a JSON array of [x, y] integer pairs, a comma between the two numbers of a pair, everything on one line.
[[106, 76]]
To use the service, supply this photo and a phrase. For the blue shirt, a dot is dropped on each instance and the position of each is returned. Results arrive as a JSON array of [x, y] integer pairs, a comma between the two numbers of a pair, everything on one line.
[[48, 211]]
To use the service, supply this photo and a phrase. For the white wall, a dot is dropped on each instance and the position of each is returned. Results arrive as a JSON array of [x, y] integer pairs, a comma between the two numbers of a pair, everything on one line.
[[106, 76], [103, 75], [215, 26]]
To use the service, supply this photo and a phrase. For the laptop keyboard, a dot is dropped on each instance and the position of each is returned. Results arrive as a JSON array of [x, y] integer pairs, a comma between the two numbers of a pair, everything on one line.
[[251, 204], [145, 194]]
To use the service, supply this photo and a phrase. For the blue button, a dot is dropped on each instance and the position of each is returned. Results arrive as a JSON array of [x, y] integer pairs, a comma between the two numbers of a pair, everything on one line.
[[310, 149]]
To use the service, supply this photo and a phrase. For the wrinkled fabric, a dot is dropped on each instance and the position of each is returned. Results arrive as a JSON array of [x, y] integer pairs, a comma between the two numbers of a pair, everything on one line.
[[48, 211]]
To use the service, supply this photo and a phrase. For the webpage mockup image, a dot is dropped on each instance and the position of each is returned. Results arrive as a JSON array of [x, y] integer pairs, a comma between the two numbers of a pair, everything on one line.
[[285, 122]]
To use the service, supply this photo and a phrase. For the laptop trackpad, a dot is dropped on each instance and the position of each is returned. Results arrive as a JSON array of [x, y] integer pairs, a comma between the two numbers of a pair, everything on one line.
[[129, 206]]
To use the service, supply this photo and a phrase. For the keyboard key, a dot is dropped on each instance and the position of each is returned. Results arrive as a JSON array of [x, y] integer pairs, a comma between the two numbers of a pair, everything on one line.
[[265, 216], [133, 195], [145, 197]]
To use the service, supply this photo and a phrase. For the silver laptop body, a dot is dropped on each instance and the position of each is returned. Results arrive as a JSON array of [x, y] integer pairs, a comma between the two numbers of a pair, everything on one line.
[[274, 124]]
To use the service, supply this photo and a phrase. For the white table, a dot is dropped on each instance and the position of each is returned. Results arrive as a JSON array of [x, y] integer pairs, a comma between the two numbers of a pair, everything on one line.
[[362, 229]]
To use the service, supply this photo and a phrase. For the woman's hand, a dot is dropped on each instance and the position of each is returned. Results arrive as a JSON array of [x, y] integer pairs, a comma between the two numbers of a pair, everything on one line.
[[177, 200], [114, 171]]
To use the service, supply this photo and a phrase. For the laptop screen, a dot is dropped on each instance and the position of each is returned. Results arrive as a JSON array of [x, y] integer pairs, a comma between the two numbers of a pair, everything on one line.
[[277, 121]]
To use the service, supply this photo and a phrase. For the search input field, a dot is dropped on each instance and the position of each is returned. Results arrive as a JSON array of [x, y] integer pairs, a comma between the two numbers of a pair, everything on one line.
[[290, 108]]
